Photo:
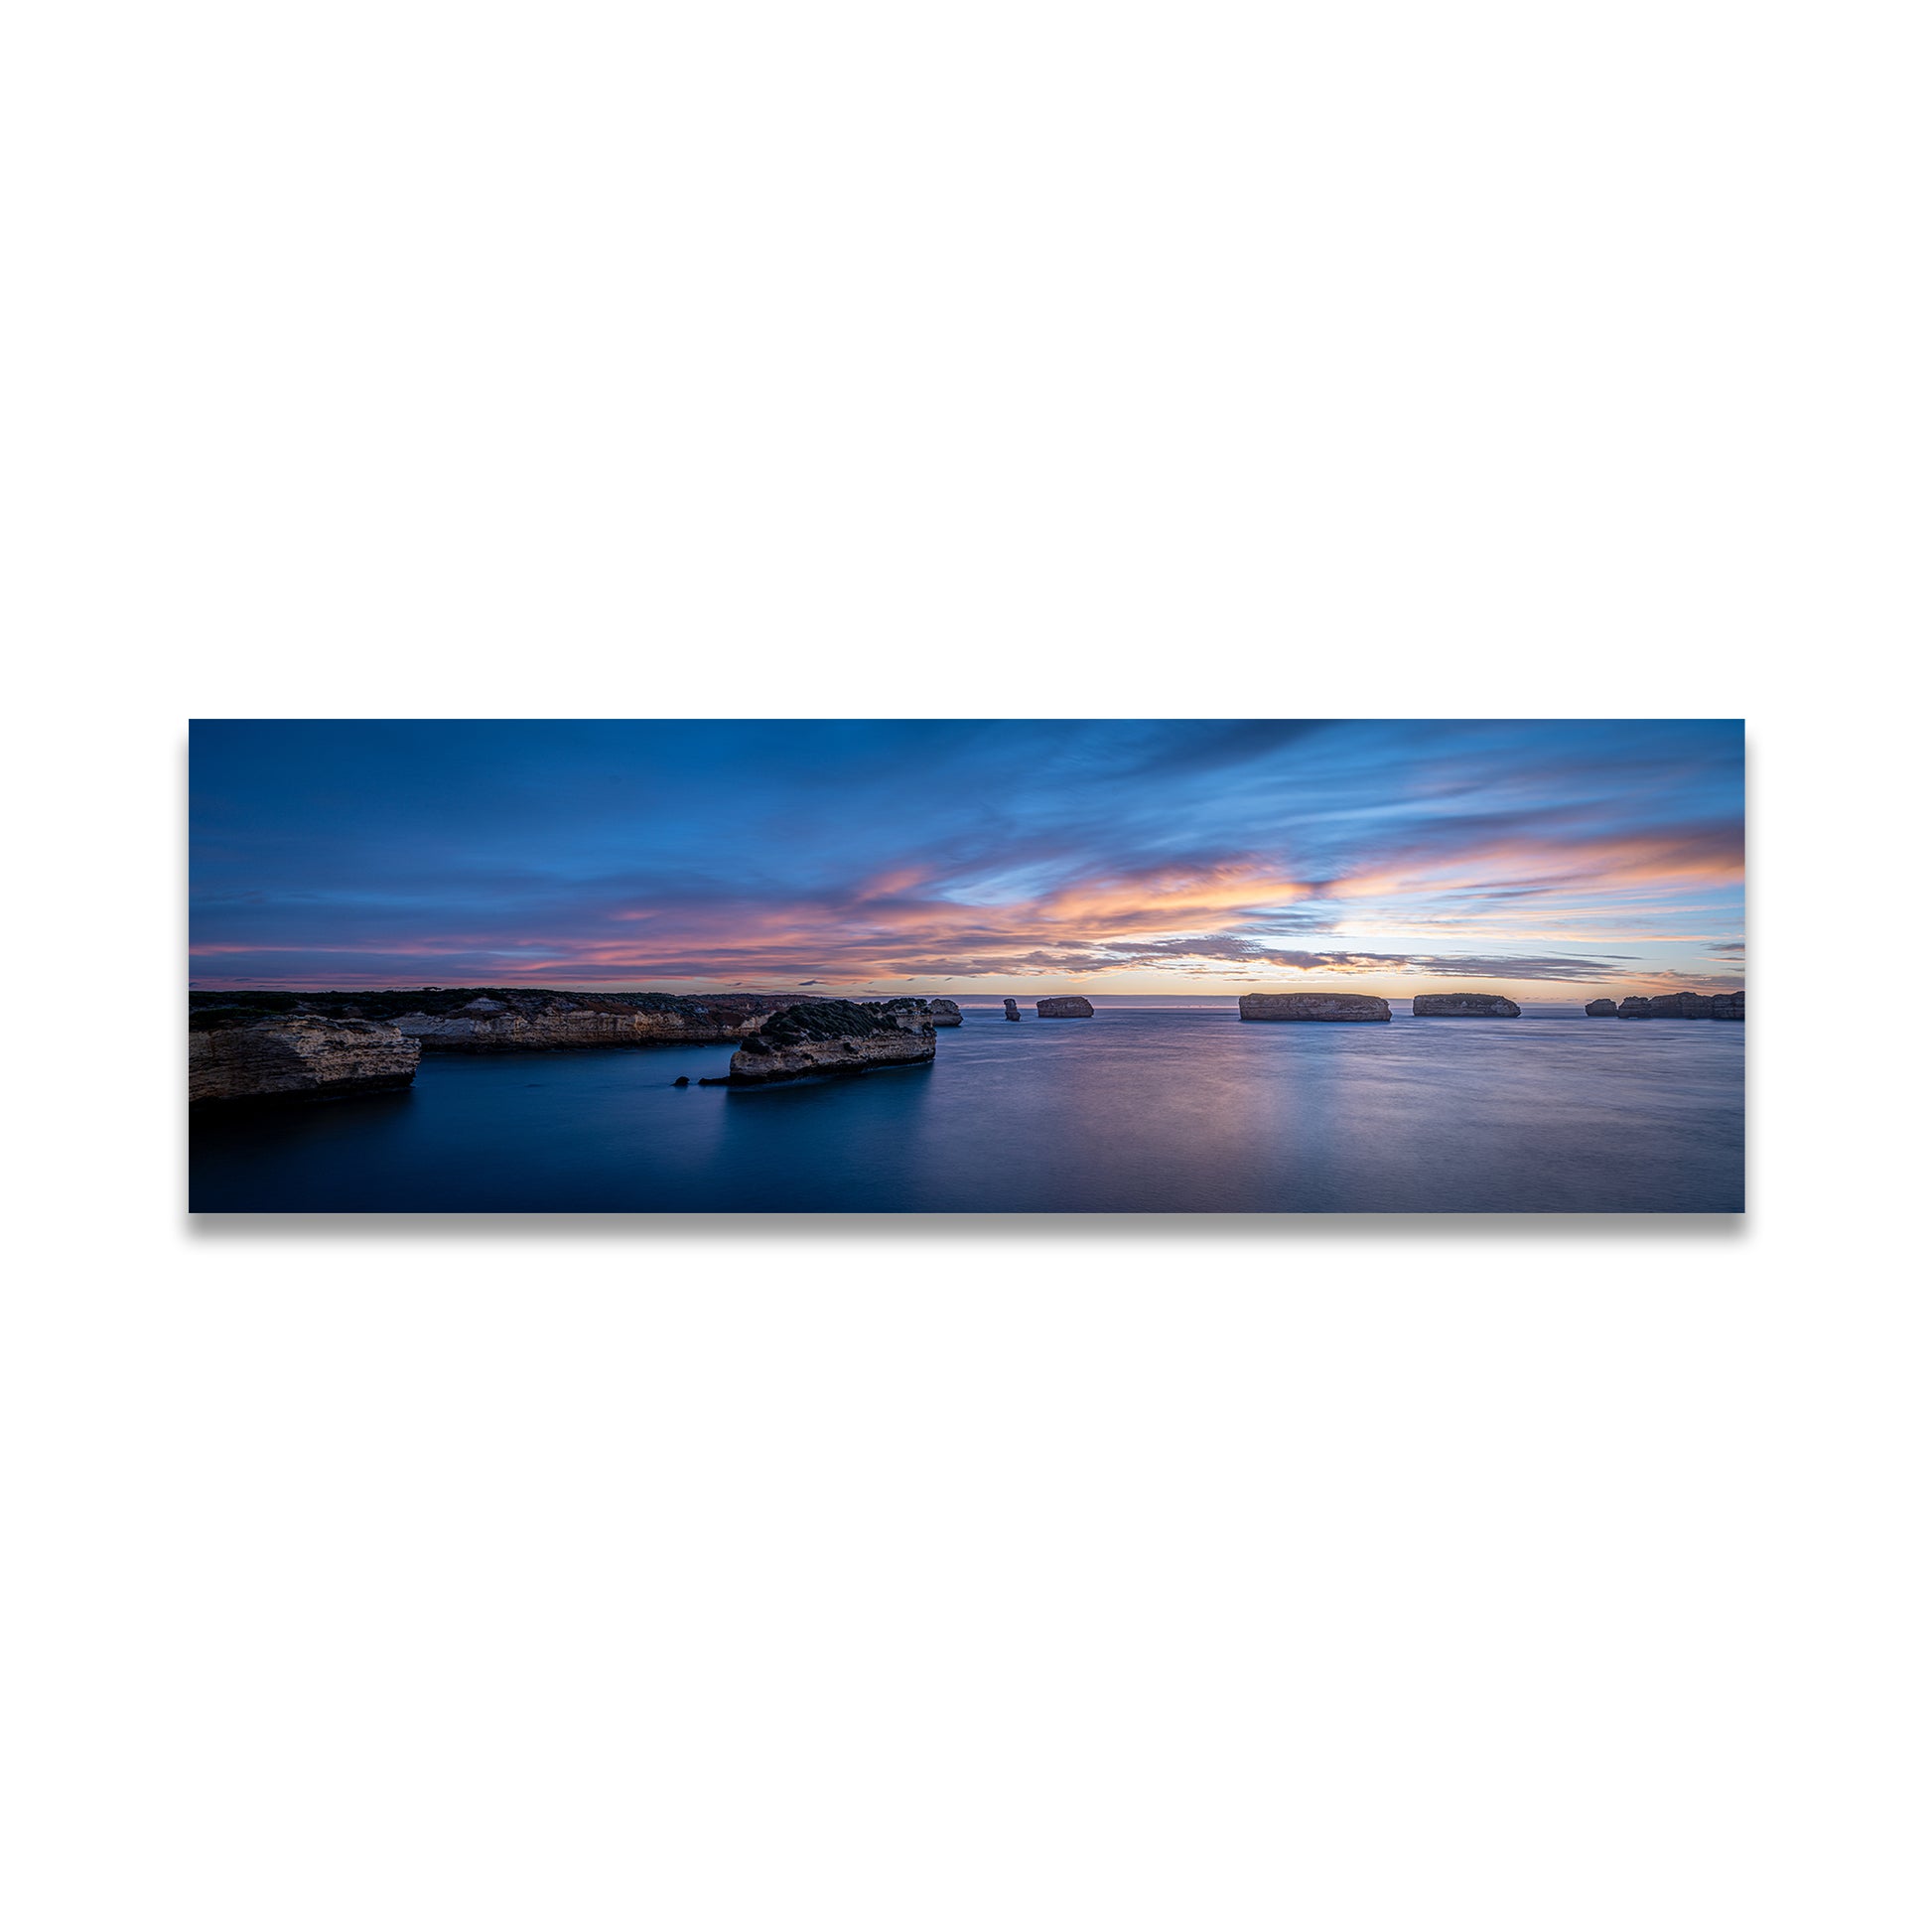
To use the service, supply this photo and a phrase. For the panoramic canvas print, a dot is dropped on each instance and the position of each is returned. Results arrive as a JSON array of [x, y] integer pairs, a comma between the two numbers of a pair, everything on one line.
[[943, 966]]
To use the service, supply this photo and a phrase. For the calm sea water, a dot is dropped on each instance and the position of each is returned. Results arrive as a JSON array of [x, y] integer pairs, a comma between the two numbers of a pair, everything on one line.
[[1185, 1110]]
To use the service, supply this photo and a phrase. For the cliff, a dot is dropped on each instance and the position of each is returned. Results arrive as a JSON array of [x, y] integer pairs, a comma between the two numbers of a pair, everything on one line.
[[1312, 1006], [830, 1037], [1600, 1008], [293, 1056], [1684, 1006], [484, 1019], [914, 1013], [1465, 1006], [1070, 1006]]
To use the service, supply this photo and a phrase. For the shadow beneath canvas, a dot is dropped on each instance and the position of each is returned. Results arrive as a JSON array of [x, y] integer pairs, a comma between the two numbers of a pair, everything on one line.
[[792, 1228]]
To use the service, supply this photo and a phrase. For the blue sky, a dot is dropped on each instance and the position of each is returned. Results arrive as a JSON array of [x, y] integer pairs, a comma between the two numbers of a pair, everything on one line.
[[960, 856]]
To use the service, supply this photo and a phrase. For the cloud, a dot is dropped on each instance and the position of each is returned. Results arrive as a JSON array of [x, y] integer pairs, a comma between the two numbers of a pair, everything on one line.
[[835, 853]]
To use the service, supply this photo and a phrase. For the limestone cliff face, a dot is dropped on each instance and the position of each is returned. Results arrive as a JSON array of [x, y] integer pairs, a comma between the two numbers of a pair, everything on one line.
[[914, 1013], [1465, 1006], [489, 1025], [1066, 1007], [1012, 1009], [1684, 1006], [487, 1019], [1600, 1008], [830, 1037], [1312, 1006], [294, 1057]]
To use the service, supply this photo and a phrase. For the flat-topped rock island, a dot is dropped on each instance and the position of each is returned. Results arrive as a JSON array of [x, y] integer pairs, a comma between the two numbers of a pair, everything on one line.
[[1312, 1006], [1465, 1006], [1682, 1006], [829, 1037]]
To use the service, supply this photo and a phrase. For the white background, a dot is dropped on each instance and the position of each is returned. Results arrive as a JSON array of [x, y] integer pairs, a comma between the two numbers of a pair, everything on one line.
[[426, 360]]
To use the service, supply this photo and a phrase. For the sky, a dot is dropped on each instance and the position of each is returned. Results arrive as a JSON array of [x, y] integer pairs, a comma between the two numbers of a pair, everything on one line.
[[1543, 860]]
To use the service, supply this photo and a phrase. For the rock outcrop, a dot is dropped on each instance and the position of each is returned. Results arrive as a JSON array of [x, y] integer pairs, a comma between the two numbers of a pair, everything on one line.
[[1012, 1009], [829, 1037], [1684, 1006], [1070, 1006], [487, 1019], [1465, 1006], [236, 1054], [1600, 1008], [914, 1013], [1312, 1006]]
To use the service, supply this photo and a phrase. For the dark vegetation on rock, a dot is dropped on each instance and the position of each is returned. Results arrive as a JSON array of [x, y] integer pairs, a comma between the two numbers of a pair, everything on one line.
[[820, 1020], [833, 1037], [527, 1000], [480, 1019]]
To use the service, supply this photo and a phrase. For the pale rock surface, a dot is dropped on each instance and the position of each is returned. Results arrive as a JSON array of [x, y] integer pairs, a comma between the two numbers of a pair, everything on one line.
[[296, 1055], [1312, 1006], [829, 1037]]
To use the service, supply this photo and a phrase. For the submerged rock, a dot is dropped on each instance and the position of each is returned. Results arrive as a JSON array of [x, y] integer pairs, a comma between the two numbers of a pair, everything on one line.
[[829, 1037], [1465, 1006], [238, 1054], [1012, 1009], [1312, 1006], [1600, 1008], [1070, 1006]]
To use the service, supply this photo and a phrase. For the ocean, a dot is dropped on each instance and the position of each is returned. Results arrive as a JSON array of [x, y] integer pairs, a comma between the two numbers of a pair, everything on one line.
[[1165, 1108]]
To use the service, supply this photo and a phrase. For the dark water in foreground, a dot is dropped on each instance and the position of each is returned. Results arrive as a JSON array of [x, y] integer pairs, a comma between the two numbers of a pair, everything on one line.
[[1153, 1110]]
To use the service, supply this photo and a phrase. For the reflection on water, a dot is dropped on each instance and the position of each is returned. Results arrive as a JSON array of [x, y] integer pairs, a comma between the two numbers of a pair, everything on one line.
[[1167, 1110]]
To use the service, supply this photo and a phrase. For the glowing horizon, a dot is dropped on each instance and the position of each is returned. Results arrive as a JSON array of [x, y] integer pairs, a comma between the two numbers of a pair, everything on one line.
[[1539, 860]]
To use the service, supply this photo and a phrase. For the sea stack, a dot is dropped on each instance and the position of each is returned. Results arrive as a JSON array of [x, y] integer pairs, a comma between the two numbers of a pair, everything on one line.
[[1465, 1006], [1312, 1006], [1600, 1008], [236, 1054], [1012, 1009], [828, 1037], [1066, 1007], [1726, 1006]]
